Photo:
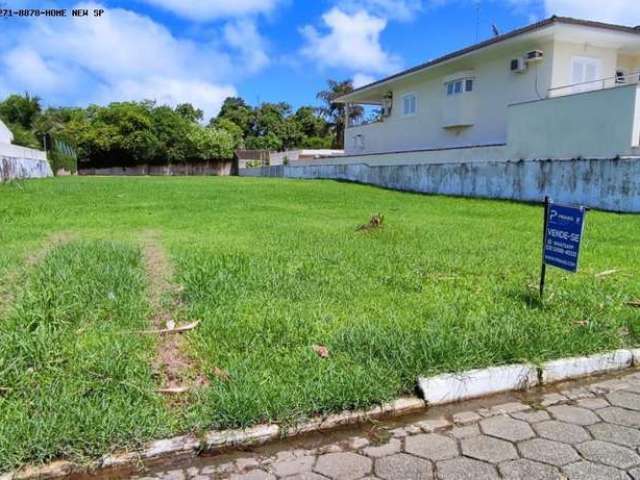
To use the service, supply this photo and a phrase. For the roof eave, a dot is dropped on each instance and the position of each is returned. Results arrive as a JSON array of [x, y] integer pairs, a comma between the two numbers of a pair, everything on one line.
[[548, 22]]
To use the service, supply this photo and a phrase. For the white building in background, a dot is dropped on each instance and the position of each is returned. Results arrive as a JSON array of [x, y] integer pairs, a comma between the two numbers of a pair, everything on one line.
[[6, 136], [20, 162], [560, 88]]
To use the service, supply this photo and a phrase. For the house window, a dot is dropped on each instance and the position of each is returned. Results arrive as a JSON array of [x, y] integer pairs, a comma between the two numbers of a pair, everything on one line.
[[357, 142], [468, 85], [409, 104], [459, 86], [585, 73]]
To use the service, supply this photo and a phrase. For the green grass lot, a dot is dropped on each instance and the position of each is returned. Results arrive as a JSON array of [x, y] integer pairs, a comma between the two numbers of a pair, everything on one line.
[[271, 268]]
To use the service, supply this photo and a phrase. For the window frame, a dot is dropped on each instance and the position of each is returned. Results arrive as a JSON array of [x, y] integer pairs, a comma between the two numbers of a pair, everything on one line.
[[459, 85], [403, 98], [357, 142], [585, 62]]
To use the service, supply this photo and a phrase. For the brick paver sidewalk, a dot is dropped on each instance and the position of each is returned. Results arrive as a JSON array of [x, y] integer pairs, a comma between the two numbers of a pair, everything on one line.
[[586, 431]]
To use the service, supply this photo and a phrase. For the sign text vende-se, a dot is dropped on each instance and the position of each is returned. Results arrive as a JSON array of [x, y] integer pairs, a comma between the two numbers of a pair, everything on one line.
[[563, 236]]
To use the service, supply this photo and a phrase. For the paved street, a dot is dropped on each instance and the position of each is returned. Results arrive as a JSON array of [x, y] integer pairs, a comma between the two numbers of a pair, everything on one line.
[[587, 431]]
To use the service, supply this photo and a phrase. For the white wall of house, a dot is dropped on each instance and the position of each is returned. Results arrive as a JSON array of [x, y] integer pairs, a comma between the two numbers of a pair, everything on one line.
[[629, 63], [5, 134], [20, 162], [539, 129], [566, 53], [496, 88]]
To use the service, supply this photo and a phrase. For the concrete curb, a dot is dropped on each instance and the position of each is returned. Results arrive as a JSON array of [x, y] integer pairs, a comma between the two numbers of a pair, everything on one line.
[[188, 446], [451, 388], [438, 390], [560, 370]]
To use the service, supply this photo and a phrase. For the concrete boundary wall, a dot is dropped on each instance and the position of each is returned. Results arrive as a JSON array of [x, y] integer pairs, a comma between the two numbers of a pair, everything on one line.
[[22, 162], [15, 168], [606, 184], [211, 168], [472, 154]]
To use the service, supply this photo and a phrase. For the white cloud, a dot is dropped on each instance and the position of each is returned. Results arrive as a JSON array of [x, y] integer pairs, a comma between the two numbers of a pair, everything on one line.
[[391, 9], [625, 12], [362, 79], [350, 41], [243, 35], [27, 67], [170, 91], [125, 56], [205, 10]]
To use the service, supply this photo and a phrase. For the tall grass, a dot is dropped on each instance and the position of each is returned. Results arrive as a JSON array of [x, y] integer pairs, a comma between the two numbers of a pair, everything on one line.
[[76, 382]]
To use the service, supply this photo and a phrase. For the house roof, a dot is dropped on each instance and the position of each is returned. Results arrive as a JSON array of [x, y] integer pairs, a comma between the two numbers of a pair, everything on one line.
[[497, 39]]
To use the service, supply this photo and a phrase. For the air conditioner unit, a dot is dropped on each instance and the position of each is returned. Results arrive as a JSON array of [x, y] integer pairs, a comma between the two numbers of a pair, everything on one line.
[[534, 56], [518, 65]]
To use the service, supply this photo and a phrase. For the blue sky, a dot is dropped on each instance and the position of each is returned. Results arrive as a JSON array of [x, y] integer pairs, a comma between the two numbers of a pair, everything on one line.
[[201, 51]]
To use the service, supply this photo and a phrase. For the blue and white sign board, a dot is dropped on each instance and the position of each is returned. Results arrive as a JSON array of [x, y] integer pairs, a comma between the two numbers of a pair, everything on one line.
[[565, 225]]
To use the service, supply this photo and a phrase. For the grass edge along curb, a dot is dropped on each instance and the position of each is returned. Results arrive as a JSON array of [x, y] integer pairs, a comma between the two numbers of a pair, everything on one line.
[[438, 390]]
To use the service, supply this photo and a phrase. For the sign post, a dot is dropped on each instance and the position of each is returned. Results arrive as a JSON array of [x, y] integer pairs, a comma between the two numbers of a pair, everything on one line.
[[543, 272], [563, 228]]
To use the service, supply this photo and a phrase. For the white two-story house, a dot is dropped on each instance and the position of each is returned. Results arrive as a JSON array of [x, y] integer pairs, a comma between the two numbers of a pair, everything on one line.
[[560, 88]]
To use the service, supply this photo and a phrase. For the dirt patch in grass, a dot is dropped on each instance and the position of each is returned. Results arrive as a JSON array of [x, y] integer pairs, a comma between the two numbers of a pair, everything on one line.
[[52, 241], [172, 364], [7, 292]]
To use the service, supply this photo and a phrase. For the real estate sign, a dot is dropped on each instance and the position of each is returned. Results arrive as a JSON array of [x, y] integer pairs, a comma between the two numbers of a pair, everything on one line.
[[564, 227]]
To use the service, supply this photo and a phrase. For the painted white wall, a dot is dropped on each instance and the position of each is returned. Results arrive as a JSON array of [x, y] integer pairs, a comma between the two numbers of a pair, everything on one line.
[[457, 155], [629, 63], [575, 126], [16, 151], [495, 88], [565, 52], [278, 158], [20, 162], [5, 134]]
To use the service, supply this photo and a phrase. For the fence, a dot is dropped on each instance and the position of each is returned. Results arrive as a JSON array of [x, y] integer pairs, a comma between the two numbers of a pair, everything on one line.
[[211, 168], [21, 162], [612, 184]]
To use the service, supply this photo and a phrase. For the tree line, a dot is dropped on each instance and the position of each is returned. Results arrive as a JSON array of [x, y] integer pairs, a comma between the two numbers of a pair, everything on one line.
[[135, 133]]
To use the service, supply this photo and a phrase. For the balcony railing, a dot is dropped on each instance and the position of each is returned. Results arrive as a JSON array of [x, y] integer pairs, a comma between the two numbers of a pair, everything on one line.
[[592, 85], [361, 122]]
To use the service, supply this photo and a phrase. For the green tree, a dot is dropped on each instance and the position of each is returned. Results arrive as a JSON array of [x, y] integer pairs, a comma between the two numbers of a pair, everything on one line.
[[209, 143], [234, 130], [171, 129], [189, 112], [119, 134], [318, 142], [333, 112], [269, 118], [236, 110], [20, 110], [23, 137], [55, 122], [290, 133], [265, 142], [311, 123]]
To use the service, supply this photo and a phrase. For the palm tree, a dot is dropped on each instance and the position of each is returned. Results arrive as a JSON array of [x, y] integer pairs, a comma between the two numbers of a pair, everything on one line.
[[333, 112]]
